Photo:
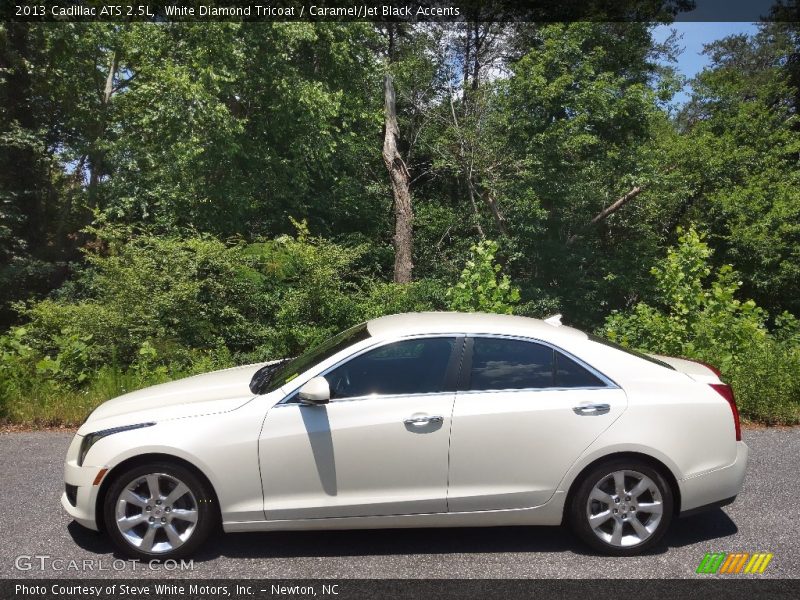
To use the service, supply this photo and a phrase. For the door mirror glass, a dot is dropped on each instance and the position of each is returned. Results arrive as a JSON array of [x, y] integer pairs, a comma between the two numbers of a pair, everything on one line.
[[315, 391]]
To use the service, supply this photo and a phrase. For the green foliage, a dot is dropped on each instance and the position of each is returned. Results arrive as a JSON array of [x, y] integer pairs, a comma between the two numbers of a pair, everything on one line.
[[479, 289], [699, 317], [151, 308], [229, 127], [578, 115], [739, 161], [212, 134]]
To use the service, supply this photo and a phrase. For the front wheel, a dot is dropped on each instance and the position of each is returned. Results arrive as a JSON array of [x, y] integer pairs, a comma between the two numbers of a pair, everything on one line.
[[622, 507], [159, 511]]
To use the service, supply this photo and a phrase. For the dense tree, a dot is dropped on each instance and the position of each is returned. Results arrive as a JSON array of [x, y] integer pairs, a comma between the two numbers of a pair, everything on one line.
[[577, 114], [155, 179], [742, 142]]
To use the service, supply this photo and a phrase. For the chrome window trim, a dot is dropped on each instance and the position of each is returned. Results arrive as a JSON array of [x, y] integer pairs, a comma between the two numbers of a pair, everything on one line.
[[534, 390], [378, 344], [285, 402], [609, 383]]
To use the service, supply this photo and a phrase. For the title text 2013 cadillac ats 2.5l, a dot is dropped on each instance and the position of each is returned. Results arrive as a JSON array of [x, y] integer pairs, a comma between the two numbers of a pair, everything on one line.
[[415, 420]]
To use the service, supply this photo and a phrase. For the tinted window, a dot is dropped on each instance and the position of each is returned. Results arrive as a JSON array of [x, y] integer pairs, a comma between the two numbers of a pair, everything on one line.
[[272, 377], [407, 367], [499, 364], [571, 374]]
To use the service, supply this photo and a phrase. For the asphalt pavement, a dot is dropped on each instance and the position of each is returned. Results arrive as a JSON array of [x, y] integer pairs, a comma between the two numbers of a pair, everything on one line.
[[765, 518]]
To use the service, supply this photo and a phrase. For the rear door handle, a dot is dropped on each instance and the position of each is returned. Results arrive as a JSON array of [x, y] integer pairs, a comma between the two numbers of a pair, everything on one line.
[[423, 420], [591, 409]]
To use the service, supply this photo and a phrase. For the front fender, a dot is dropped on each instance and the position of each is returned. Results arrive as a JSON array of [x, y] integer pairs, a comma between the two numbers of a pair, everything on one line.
[[224, 448]]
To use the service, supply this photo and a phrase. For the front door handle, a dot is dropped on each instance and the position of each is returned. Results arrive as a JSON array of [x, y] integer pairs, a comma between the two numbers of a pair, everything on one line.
[[591, 409], [423, 420]]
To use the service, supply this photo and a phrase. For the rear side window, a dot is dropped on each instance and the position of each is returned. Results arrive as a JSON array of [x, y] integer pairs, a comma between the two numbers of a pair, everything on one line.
[[417, 366], [499, 364], [505, 364]]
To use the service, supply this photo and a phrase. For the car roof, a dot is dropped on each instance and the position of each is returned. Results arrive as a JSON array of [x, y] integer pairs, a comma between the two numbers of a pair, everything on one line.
[[457, 322]]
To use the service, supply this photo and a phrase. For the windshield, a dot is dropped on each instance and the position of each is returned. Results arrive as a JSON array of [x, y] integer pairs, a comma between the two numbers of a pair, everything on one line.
[[636, 353], [270, 377]]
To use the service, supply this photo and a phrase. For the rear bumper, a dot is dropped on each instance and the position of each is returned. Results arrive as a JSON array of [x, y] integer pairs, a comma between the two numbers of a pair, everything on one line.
[[715, 488]]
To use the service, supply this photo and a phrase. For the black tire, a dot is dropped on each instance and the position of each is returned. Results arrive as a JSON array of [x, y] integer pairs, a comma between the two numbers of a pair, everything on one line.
[[602, 475], [200, 495]]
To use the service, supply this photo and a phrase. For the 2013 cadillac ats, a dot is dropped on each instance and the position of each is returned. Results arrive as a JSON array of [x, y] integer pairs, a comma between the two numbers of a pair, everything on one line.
[[414, 420]]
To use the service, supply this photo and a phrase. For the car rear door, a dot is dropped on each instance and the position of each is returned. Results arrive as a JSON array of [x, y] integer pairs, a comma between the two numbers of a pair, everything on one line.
[[380, 447], [523, 414]]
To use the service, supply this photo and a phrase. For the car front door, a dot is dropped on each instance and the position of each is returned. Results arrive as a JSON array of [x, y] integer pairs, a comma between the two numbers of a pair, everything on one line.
[[523, 414], [379, 447]]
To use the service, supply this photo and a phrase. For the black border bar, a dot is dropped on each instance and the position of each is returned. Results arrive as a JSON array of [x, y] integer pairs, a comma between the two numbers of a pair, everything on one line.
[[365, 589], [400, 10]]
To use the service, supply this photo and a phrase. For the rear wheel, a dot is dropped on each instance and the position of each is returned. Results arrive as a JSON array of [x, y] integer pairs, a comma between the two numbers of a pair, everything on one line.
[[159, 511], [622, 507]]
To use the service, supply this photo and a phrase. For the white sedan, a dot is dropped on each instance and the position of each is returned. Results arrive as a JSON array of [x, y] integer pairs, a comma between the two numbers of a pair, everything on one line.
[[414, 420]]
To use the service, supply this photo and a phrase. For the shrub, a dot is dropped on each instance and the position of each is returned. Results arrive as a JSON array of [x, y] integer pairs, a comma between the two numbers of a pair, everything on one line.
[[699, 316], [482, 287], [147, 309]]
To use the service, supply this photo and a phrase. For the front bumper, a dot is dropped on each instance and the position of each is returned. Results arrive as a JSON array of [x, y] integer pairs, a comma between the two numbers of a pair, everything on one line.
[[715, 487], [83, 478]]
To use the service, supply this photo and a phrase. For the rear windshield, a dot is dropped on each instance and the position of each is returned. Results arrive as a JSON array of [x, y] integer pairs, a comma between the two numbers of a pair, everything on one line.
[[635, 353]]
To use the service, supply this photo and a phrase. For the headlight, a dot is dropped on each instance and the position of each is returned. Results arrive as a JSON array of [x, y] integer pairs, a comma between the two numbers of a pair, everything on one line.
[[90, 439]]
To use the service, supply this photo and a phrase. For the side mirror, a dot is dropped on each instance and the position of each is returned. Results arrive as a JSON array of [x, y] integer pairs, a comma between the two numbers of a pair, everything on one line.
[[315, 391]]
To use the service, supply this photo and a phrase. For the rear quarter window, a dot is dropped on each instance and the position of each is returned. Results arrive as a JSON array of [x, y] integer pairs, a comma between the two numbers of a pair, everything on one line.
[[569, 374]]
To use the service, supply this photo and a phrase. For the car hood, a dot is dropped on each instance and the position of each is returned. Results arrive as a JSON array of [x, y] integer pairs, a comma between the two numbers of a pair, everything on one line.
[[219, 391]]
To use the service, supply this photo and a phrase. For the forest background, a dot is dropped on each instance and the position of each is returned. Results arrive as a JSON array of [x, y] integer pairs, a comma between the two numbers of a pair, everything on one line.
[[181, 197]]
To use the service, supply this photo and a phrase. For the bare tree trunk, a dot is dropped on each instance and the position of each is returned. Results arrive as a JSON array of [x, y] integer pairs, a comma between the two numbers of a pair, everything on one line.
[[476, 67], [611, 208], [96, 156], [400, 178], [476, 214], [499, 219], [467, 55]]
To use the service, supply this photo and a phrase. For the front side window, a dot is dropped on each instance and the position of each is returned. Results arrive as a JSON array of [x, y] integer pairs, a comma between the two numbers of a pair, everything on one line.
[[417, 366], [506, 364], [271, 377]]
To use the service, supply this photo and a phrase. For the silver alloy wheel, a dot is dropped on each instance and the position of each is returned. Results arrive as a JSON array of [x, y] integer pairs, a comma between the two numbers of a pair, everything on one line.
[[624, 508], [156, 513]]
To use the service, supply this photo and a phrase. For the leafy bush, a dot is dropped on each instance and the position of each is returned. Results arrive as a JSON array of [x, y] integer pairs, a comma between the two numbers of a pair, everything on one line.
[[321, 288], [154, 308], [478, 289], [151, 309], [699, 317]]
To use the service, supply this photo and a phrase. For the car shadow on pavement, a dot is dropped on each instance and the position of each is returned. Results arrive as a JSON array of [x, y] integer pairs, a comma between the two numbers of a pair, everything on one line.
[[91, 541], [375, 542], [710, 525]]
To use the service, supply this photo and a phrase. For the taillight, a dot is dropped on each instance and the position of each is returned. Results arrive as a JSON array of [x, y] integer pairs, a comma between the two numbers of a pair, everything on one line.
[[726, 391]]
